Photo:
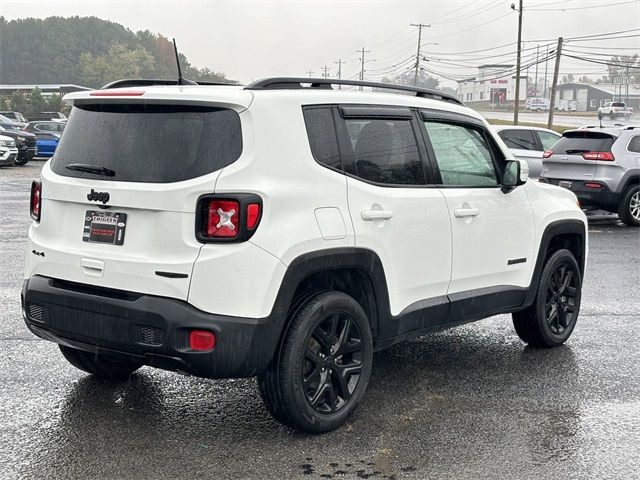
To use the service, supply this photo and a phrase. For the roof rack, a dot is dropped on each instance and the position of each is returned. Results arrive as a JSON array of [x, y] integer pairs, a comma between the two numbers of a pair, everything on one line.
[[284, 83], [146, 82]]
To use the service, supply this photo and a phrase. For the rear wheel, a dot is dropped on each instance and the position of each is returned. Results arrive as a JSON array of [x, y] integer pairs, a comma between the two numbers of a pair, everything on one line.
[[629, 208], [550, 320], [321, 371], [612, 116], [98, 365]]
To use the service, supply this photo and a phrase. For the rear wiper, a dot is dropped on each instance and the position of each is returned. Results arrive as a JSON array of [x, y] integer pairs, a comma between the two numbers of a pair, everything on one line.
[[576, 150], [97, 169]]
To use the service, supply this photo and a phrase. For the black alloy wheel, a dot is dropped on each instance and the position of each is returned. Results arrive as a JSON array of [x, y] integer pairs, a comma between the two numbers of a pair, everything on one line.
[[549, 321], [333, 363], [321, 369], [560, 303]]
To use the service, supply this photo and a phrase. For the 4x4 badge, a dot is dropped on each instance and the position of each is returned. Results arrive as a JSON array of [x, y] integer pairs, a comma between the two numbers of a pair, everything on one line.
[[98, 196]]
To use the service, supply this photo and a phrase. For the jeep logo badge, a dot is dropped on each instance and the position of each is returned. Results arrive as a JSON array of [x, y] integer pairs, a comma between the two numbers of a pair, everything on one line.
[[98, 196]]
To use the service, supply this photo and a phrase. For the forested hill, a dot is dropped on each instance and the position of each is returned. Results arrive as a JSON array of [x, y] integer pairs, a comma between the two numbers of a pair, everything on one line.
[[86, 51]]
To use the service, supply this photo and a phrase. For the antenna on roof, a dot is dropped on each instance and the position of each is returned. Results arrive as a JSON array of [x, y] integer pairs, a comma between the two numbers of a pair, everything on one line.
[[181, 79]]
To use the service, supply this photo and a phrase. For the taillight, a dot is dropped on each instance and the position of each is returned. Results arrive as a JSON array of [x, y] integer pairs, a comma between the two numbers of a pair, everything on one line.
[[604, 156], [547, 153], [36, 200], [592, 185], [222, 219], [232, 218]]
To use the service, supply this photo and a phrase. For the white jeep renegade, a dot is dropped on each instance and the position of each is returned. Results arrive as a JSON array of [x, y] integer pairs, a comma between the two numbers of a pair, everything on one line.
[[287, 230]]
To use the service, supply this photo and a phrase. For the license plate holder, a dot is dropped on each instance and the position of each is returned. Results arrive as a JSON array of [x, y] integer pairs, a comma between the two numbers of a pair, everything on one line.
[[564, 184], [104, 227]]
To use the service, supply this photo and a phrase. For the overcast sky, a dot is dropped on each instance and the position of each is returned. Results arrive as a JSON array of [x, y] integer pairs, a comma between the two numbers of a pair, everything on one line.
[[252, 39]]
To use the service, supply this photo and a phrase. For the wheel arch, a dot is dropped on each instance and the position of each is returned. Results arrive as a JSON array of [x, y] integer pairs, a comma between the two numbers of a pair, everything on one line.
[[354, 271], [568, 234]]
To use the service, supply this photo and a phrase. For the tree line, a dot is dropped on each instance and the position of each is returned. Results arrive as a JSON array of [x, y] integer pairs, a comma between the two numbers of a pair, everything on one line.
[[87, 51]]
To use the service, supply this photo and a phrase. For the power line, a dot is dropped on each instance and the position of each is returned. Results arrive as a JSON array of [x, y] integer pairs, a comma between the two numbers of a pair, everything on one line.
[[586, 7]]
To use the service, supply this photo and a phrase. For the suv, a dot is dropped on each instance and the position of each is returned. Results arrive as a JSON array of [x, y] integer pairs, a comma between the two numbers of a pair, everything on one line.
[[601, 165], [8, 151], [615, 109], [287, 230]]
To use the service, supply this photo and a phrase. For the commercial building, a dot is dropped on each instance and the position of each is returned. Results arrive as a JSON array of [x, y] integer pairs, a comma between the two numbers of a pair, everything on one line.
[[495, 83], [591, 97]]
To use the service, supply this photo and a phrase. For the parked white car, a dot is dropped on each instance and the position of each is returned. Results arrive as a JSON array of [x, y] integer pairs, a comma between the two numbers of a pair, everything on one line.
[[287, 230], [537, 104], [8, 151], [528, 143]]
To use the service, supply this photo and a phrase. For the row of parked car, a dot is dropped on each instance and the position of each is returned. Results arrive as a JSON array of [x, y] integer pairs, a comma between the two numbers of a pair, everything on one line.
[[22, 139], [600, 164]]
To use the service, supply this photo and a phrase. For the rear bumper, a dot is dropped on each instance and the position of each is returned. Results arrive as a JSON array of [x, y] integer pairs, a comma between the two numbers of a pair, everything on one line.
[[603, 198], [151, 329]]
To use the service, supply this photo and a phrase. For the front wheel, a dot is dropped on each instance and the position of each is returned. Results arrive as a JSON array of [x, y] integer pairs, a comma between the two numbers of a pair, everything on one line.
[[629, 209], [550, 320], [98, 365], [321, 370]]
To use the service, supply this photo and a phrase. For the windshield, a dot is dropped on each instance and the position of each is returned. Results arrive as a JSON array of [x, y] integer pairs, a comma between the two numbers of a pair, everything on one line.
[[148, 143]]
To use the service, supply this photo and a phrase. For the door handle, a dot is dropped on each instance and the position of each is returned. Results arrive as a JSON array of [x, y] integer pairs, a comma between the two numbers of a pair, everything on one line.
[[370, 215], [465, 212]]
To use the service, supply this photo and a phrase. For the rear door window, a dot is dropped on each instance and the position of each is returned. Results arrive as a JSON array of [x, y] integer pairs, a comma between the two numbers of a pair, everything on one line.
[[519, 139], [149, 143], [576, 143], [385, 151]]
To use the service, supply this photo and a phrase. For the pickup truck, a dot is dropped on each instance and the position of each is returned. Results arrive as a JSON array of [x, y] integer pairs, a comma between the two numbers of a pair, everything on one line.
[[615, 109]]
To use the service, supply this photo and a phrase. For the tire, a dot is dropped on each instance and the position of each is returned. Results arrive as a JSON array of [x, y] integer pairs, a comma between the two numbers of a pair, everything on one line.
[[612, 116], [22, 161], [99, 366], [599, 116], [537, 325], [629, 208], [309, 387]]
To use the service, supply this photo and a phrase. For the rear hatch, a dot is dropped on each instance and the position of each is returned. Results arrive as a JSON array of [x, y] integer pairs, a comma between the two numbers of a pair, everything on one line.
[[119, 196], [575, 156]]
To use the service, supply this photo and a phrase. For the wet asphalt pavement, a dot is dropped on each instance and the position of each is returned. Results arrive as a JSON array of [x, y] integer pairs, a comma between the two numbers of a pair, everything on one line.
[[471, 402]]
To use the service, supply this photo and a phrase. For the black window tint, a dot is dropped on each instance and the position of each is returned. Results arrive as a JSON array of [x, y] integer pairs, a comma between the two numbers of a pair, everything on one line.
[[578, 142], [385, 151], [322, 136], [521, 139], [149, 143], [634, 144]]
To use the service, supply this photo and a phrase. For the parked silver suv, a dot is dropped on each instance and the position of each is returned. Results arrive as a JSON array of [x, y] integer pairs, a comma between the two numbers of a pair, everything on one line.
[[601, 165]]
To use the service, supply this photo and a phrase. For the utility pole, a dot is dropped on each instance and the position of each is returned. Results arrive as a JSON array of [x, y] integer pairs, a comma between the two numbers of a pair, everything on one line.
[[310, 72], [537, 59], [420, 27], [339, 63], [362, 53], [554, 85], [326, 71], [546, 61], [516, 103]]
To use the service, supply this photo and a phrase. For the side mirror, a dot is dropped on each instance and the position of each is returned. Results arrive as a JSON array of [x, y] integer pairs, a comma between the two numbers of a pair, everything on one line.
[[516, 172]]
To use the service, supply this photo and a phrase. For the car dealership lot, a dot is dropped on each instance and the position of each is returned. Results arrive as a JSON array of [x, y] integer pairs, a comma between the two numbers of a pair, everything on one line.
[[471, 402]]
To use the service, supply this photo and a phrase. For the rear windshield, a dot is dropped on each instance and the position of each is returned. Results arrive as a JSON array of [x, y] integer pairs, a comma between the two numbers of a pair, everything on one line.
[[581, 142], [617, 104], [148, 143]]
